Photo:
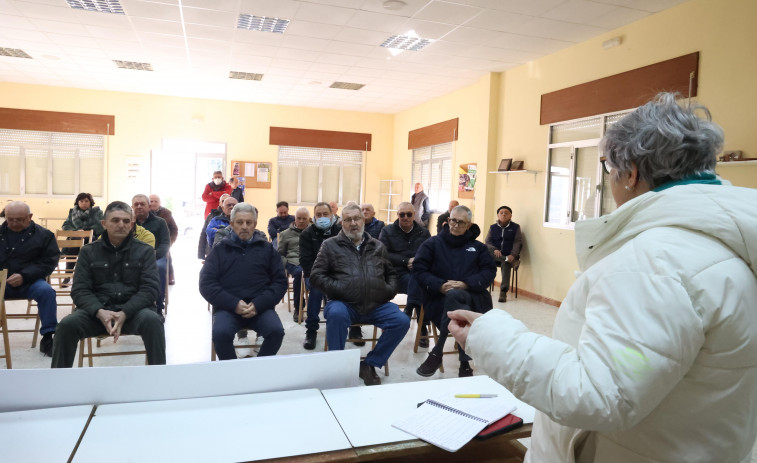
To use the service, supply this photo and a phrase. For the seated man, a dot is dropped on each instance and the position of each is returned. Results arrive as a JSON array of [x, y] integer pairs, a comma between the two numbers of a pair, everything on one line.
[[324, 227], [220, 221], [243, 280], [442, 219], [281, 222], [30, 253], [115, 287], [455, 272], [202, 247], [373, 226], [402, 240], [353, 270], [504, 242], [334, 209], [173, 229], [289, 249], [158, 227]]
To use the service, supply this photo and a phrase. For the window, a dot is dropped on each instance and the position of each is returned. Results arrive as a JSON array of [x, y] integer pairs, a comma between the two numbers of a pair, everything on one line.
[[51, 163], [577, 187], [432, 167], [311, 175]]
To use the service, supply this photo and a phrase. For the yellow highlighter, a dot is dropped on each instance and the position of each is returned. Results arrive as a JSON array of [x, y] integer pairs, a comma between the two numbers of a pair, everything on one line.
[[475, 396]]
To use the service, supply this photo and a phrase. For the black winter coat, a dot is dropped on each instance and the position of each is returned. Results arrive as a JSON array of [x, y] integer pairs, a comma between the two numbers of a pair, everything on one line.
[[401, 246], [446, 257], [123, 278], [363, 279], [310, 243], [35, 257], [236, 271]]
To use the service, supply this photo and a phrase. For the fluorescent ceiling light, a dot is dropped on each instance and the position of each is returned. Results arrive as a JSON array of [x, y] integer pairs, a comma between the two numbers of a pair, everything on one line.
[[133, 65], [405, 42], [245, 75], [346, 86], [14, 52], [103, 6], [262, 23]]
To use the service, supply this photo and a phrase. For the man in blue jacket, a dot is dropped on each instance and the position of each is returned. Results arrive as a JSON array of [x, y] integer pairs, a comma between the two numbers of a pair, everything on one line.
[[455, 272], [243, 279], [220, 221], [30, 253]]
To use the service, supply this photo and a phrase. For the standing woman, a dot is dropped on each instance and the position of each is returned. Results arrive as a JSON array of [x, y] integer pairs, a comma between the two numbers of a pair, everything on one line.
[[654, 350], [83, 216]]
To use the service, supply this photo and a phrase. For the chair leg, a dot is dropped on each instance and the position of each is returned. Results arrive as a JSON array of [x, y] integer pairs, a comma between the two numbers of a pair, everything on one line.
[[81, 353], [6, 342], [36, 332], [418, 330], [89, 350]]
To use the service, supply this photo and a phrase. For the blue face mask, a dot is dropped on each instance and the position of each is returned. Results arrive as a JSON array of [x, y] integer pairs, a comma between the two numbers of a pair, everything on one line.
[[324, 223]]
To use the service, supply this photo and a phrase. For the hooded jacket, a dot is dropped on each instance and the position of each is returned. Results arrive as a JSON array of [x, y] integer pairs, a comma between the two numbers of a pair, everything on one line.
[[310, 243], [447, 257], [362, 278], [237, 270], [654, 350]]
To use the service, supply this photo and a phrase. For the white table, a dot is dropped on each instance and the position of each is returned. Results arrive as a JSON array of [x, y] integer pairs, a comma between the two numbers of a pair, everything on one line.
[[42, 435], [380, 406], [218, 429]]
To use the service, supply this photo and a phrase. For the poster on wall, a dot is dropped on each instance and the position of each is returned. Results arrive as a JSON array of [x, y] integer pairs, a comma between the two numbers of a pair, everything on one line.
[[466, 184], [137, 174]]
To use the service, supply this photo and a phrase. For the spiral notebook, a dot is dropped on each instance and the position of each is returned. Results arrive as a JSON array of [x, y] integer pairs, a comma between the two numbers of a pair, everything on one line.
[[450, 423]]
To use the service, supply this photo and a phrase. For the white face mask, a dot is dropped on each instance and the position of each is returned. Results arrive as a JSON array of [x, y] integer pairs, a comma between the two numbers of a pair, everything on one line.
[[217, 181]]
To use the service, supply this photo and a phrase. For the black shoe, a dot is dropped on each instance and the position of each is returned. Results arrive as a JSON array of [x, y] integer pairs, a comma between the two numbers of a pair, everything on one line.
[[296, 316], [465, 370], [46, 344], [368, 374], [424, 341], [429, 367], [310, 337], [356, 333], [171, 282], [503, 296], [65, 283]]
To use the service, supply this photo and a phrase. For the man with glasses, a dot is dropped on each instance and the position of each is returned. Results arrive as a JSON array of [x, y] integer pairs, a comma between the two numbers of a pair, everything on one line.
[[402, 240], [455, 271], [353, 271]]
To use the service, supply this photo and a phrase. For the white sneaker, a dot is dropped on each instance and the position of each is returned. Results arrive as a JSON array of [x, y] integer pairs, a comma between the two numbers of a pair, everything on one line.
[[259, 342], [243, 352]]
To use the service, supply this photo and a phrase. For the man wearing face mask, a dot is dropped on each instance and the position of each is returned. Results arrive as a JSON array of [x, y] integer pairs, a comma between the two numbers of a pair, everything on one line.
[[324, 227], [213, 192]]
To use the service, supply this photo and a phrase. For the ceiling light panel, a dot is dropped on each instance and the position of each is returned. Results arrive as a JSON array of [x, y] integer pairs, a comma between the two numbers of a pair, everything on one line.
[[14, 52], [262, 23], [403, 42], [245, 75], [346, 86], [133, 65], [103, 6]]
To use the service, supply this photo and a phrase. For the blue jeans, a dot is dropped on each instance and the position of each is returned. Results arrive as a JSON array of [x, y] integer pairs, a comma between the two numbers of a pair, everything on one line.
[[406, 284], [314, 307], [47, 305], [162, 264], [296, 272], [393, 323], [266, 324]]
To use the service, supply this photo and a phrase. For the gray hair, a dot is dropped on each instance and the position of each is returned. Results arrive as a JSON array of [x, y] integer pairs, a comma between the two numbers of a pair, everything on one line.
[[463, 209], [118, 206], [244, 207], [666, 141], [302, 209], [352, 207], [147, 199]]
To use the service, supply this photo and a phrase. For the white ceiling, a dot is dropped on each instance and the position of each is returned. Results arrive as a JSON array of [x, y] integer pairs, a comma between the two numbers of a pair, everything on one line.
[[193, 44]]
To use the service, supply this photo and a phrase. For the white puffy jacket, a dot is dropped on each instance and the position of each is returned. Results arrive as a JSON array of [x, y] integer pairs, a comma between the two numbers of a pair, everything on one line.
[[654, 350]]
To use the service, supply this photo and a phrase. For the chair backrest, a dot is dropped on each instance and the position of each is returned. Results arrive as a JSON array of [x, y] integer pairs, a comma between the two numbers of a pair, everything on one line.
[[81, 234], [64, 243]]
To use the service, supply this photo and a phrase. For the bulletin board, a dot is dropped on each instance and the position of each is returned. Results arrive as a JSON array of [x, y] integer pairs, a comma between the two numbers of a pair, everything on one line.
[[252, 174]]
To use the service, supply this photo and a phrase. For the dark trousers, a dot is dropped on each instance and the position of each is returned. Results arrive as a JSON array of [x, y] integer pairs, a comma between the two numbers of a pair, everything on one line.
[[160, 302], [504, 286], [315, 300], [226, 324], [80, 325], [296, 272], [456, 299]]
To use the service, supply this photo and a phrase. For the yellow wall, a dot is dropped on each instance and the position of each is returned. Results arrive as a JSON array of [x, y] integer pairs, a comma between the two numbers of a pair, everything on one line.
[[724, 34], [143, 121]]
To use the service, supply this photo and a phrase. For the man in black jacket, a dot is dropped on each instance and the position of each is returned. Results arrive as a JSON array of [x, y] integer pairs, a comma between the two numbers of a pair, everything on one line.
[[158, 227], [30, 253], [402, 240], [243, 279], [324, 226], [455, 272], [115, 286], [354, 272]]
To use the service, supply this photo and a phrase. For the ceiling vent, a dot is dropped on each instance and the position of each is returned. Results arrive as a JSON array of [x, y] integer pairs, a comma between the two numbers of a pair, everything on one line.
[[14, 52], [347, 86], [103, 6], [262, 23], [404, 42], [133, 65], [245, 75]]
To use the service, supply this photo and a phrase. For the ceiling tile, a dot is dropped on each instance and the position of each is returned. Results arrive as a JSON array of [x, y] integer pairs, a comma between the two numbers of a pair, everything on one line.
[[359, 36], [22, 34], [343, 60], [210, 17], [313, 29], [223, 5], [209, 32], [323, 14], [653, 6], [579, 11], [618, 18], [344, 48], [258, 37], [471, 36], [151, 40], [17, 22], [411, 7], [250, 61], [67, 28], [532, 44], [529, 7], [497, 20], [42, 11], [272, 8], [303, 43], [101, 19], [111, 33], [445, 47], [74, 40], [289, 64], [368, 20], [157, 27], [425, 29], [301, 55], [448, 13], [329, 68], [137, 8], [258, 50], [559, 30]]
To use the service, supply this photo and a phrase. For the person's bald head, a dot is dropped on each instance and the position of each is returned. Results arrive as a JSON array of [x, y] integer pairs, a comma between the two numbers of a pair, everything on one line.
[[452, 204], [154, 203], [228, 204], [18, 216]]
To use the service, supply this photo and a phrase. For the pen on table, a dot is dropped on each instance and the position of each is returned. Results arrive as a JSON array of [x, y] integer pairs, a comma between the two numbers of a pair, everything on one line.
[[475, 396]]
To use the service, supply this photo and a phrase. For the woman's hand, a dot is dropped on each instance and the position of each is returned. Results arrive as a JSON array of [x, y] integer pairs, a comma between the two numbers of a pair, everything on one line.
[[460, 323]]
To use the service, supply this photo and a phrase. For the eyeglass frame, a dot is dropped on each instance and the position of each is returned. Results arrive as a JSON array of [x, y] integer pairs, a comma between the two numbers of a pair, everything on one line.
[[404, 215], [457, 222]]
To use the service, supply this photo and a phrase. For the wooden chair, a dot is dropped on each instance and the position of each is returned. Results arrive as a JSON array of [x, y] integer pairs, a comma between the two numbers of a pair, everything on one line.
[[434, 335], [304, 294], [213, 356], [373, 340], [28, 315], [89, 355], [4, 322]]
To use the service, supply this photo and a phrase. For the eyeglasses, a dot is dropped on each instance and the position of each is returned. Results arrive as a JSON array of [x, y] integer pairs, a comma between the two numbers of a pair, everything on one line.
[[353, 220], [607, 169], [404, 214], [457, 223]]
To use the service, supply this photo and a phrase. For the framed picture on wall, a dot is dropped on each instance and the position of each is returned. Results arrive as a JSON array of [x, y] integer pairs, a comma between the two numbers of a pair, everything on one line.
[[517, 165], [504, 165]]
